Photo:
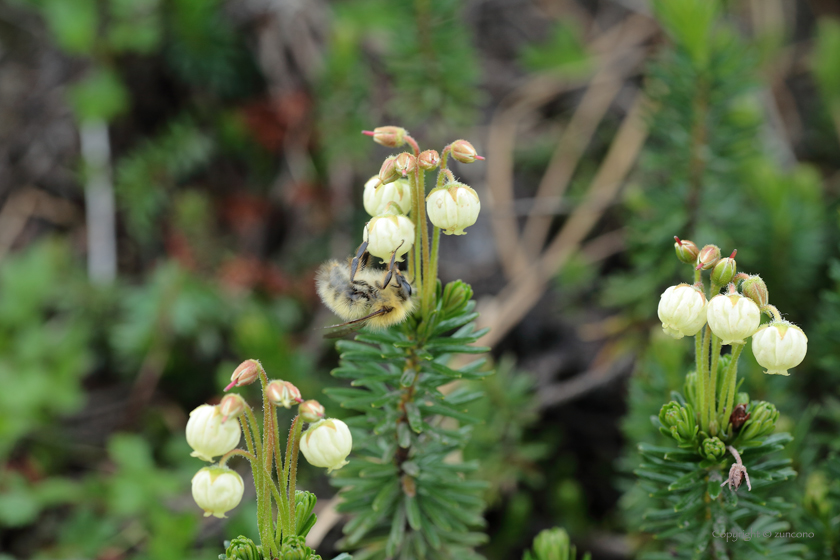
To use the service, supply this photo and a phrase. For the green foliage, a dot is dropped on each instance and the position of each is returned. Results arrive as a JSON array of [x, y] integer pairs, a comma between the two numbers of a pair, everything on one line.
[[553, 544], [826, 62], [428, 62], [406, 495], [564, 53], [146, 176], [99, 96], [690, 24], [44, 341]]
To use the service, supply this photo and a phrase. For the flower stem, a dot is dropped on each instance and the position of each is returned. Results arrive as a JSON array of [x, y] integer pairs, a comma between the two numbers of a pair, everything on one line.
[[232, 452], [435, 249], [708, 398], [264, 504], [292, 459], [716, 347], [701, 378], [729, 384], [282, 504]]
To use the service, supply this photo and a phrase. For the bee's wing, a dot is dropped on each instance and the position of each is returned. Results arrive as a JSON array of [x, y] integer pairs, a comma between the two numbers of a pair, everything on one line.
[[345, 329]]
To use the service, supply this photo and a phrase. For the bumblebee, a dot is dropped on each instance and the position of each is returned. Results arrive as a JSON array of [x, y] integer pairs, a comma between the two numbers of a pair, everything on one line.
[[365, 296]]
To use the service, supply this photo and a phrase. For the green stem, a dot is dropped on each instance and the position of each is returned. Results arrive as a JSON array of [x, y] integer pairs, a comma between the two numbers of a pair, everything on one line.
[[701, 380], [264, 504], [709, 395], [435, 249], [282, 504], [729, 383], [232, 452], [716, 347], [428, 280], [292, 459], [444, 158]]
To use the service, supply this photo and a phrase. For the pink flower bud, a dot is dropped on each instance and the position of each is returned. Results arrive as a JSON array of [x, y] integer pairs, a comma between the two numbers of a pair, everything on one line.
[[708, 257], [429, 160], [686, 250], [247, 372], [388, 172], [755, 289], [311, 411], [390, 136], [232, 406], [463, 151], [282, 393], [724, 270], [405, 163]]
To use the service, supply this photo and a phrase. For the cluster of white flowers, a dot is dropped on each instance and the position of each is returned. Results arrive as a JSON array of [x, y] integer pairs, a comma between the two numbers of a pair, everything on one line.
[[733, 318], [452, 207], [214, 431]]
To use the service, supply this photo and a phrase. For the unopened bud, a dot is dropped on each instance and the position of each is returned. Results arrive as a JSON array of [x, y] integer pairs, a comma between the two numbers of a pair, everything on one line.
[[755, 289], [390, 136], [713, 449], [762, 422], [388, 172], [678, 422], [405, 164], [686, 250], [428, 160], [243, 548], [463, 151], [282, 393], [232, 406], [708, 257], [553, 544], [311, 411], [724, 270], [247, 372]]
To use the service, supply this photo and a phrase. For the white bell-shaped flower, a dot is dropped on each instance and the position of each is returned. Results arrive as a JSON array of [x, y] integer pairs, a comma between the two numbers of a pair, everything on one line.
[[453, 207], [733, 318], [388, 233], [208, 435], [327, 443], [682, 310], [377, 196], [779, 346], [217, 490]]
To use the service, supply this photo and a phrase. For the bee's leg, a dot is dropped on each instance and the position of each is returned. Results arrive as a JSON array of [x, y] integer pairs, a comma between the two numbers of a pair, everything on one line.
[[404, 284], [354, 265], [393, 266]]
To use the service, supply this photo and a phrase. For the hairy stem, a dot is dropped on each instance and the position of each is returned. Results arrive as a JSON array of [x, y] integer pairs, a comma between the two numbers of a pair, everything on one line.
[[729, 384], [282, 504], [716, 347], [292, 459], [264, 505], [700, 383]]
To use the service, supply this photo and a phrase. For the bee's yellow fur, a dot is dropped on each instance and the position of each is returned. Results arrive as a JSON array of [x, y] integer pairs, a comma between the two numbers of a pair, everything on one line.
[[363, 296]]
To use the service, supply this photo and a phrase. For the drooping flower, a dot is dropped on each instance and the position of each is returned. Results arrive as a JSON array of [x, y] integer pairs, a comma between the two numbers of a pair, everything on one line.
[[733, 318], [208, 435], [779, 346], [388, 233], [217, 490], [682, 310], [453, 207], [327, 444]]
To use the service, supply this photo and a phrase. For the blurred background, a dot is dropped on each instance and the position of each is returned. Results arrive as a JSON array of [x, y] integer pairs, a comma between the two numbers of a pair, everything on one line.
[[172, 173]]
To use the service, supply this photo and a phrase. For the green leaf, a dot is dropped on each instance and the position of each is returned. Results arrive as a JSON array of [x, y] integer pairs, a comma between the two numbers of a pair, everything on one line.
[[412, 511], [99, 96]]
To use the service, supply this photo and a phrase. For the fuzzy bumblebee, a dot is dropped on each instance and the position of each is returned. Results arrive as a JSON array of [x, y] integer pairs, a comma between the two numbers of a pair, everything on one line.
[[365, 296]]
